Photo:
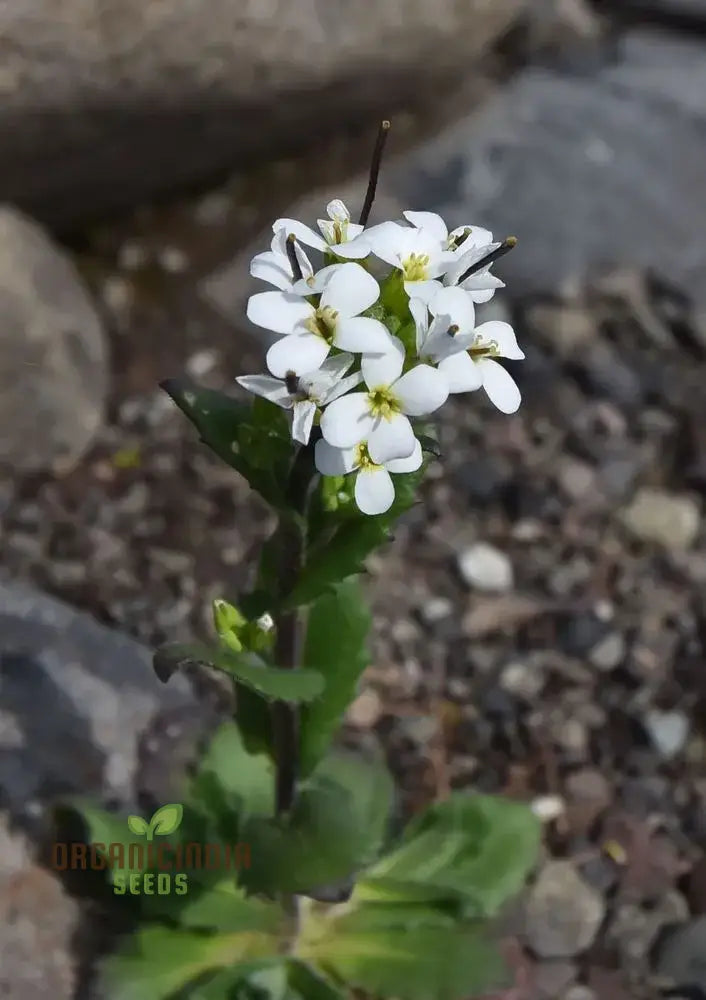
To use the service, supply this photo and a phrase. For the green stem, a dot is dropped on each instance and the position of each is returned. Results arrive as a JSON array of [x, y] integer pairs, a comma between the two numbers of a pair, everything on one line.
[[291, 625]]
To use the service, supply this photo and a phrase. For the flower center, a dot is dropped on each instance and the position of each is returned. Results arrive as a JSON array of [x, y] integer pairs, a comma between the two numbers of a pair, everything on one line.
[[414, 267], [323, 323], [490, 349], [340, 234], [383, 403], [363, 460]]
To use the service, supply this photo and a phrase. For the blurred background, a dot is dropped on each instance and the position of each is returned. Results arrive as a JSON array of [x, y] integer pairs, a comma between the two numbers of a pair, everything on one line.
[[540, 626]]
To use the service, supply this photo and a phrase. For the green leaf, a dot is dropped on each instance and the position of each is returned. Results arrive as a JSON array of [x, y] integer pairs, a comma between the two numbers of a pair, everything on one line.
[[261, 979], [422, 960], [335, 828], [137, 825], [339, 559], [309, 983], [251, 438], [158, 961], [248, 668], [224, 907], [336, 632], [254, 721], [107, 828], [166, 820], [475, 849], [233, 783]]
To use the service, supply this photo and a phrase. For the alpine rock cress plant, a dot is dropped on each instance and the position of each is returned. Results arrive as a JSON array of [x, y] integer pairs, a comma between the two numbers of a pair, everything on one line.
[[376, 328]]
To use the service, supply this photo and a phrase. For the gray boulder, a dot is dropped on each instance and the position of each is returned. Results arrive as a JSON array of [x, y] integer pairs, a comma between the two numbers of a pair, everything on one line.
[[104, 103], [587, 169], [53, 352], [76, 698]]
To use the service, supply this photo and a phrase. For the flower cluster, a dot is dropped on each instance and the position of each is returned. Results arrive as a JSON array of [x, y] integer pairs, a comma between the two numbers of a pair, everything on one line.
[[382, 333]]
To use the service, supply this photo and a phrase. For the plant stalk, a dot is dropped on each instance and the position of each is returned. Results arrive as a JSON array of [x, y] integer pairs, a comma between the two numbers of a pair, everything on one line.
[[291, 626]]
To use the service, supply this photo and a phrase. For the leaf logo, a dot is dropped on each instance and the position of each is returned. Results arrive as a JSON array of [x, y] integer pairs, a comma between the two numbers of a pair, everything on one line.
[[166, 820]]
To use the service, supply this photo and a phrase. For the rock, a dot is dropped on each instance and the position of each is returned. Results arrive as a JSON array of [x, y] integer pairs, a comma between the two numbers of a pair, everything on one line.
[[79, 695], [436, 609], [551, 979], [609, 653], [38, 921], [486, 568], [53, 352], [508, 612], [523, 680], [588, 794], [366, 710], [668, 519], [668, 731], [106, 103], [575, 165], [681, 956], [563, 913]]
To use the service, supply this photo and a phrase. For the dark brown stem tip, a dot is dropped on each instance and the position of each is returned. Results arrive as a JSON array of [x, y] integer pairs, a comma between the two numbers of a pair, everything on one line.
[[506, 246], [374, 171], [292, 257]]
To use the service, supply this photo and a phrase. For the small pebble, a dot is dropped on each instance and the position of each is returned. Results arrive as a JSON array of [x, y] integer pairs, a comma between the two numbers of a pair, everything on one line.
[[522, 680], [201, 363], [547, 808], [668, 519], [173, 260], [563, 913], [609, 653], [366, 710], [668, 731], [486, 568], [436, 609]]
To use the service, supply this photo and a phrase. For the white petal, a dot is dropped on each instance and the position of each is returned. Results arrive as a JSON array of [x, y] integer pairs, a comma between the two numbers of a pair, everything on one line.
[[337, 211], [316, 283], [500, 386], [273, 269], [503, 335], [430, 221], [476, 238], [362, 333], [374, 491], [390, 439], [269, 388], [336, 365], [303, 420], [410, 464], [328, 230], [424, 290], [281, 312], [457, 305], [461, 373], [422, 390], [332, 461], [304, 234], [420, 315], [300, 353], [347, 421], [341, 387], [353, 249], [479, 296], [385, 368], [465, 259], [354, 230], [351, 290], [387, 241], [279, 245]]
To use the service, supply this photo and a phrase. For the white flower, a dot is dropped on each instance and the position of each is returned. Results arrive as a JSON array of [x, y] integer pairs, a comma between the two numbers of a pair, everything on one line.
[[472, 364], [481, 285], [374, 489], [469, 244], [304, 393], [337, 229], [311, 331], [419, 253], [454, 314], [273, 265], [380, 415]]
